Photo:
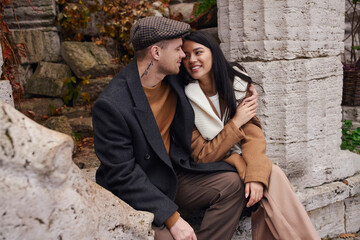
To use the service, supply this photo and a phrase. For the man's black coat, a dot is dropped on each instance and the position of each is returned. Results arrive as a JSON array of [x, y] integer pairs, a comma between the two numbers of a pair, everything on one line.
[[134, 163]]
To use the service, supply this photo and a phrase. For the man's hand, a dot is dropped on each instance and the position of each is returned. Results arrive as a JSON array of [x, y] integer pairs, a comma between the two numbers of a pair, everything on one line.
[[181, 230], [256, 191]]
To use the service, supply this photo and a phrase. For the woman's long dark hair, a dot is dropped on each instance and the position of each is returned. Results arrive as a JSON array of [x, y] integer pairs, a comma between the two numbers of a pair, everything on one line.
[[224, 71]]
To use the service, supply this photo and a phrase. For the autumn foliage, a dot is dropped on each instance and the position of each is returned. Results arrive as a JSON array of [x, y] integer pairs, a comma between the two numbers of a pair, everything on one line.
[[114, 21]]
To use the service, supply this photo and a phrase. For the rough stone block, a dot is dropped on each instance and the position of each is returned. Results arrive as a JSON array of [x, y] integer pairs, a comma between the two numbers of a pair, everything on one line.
[[45, 196], [86, 58], [60, 124], [352, 213], [23, 73], [243, 230], [354, 183], [93, 90], [31, 14], [82, 126], [327, 194], [6, 92], [329, 220], [184, 8], [77, 111], [41, 106], [48, 79], [41, 45], [351, 113], [273, 30]]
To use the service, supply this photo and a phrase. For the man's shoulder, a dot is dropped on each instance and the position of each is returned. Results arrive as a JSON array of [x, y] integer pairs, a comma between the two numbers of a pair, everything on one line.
[[117, 88]]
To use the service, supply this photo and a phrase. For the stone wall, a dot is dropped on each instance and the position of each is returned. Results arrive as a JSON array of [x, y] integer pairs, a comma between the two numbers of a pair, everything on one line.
[[293, 50]]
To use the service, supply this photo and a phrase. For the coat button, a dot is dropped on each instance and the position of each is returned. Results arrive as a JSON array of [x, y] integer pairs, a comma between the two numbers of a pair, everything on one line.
[[147, 156]]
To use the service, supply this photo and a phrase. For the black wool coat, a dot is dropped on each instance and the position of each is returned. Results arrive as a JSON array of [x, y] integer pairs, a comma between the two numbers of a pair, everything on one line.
[[134, 163]]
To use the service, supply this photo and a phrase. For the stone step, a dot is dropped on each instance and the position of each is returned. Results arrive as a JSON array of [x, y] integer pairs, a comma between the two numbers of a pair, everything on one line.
[[82, 125], [41, 106], [83, 111]]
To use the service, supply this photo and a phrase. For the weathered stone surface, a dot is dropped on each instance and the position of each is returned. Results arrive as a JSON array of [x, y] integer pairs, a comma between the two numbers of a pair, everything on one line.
[[22, 74], [31, 14], [60, 124], [324, 195], [89, 173], [86, 58], [243, 230], [77, 111], [45, 196], [41, 106], [352, 213], [329, 220], [86, 159], [351, 113], [354, 184], [48, 79], [83, 126], [329, 193], [41, 45], [93, 89], [6, 92], [286, 29], [184, 8]]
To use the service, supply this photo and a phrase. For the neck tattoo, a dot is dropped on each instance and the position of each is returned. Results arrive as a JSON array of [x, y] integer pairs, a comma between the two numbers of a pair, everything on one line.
[[146, 70]]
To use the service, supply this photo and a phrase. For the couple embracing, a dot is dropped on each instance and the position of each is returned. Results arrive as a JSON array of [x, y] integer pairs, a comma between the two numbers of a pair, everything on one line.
[[177, 128]]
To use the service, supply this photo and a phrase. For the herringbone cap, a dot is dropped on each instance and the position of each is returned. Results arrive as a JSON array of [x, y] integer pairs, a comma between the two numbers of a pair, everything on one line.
[[149, 30]]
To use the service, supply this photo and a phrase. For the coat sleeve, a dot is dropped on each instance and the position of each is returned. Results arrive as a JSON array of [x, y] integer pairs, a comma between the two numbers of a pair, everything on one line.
[[206, 151], [253, 148], [119, 172]]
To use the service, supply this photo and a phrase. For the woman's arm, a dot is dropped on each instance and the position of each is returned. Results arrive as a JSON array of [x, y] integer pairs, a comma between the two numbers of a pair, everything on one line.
[[206, 151], [253, 148]]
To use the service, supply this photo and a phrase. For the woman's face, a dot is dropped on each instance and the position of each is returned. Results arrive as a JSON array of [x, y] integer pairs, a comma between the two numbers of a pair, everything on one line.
[[198, 60]]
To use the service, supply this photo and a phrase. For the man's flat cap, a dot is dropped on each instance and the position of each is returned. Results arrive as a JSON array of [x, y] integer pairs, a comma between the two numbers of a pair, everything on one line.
[[149, 30]]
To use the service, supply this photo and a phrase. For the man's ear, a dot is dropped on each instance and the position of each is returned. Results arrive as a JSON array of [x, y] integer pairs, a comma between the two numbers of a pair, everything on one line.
[[155, 52]]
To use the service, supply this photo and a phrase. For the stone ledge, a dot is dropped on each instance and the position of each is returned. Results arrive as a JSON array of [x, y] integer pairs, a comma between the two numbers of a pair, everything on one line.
[[326, 194]]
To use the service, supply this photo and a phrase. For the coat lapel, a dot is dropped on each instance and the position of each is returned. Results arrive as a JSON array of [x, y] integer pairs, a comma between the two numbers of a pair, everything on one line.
[[183, 122], [144, 114]]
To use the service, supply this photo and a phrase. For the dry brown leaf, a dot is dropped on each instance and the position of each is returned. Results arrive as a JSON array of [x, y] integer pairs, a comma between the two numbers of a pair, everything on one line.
[[348, 235]]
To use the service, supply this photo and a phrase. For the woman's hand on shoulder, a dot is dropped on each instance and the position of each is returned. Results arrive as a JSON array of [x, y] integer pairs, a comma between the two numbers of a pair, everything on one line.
[[247, 108], [244, 112], [256, 192], [254, 94]]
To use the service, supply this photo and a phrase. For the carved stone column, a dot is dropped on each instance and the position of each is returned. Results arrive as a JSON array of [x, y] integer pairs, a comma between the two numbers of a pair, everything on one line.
[[292, 49]]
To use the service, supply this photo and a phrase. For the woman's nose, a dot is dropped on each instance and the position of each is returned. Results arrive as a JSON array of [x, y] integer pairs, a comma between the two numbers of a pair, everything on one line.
[[192, 58]]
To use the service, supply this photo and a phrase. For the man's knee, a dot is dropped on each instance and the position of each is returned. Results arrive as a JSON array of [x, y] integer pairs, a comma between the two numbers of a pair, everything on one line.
[[233, 186]]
